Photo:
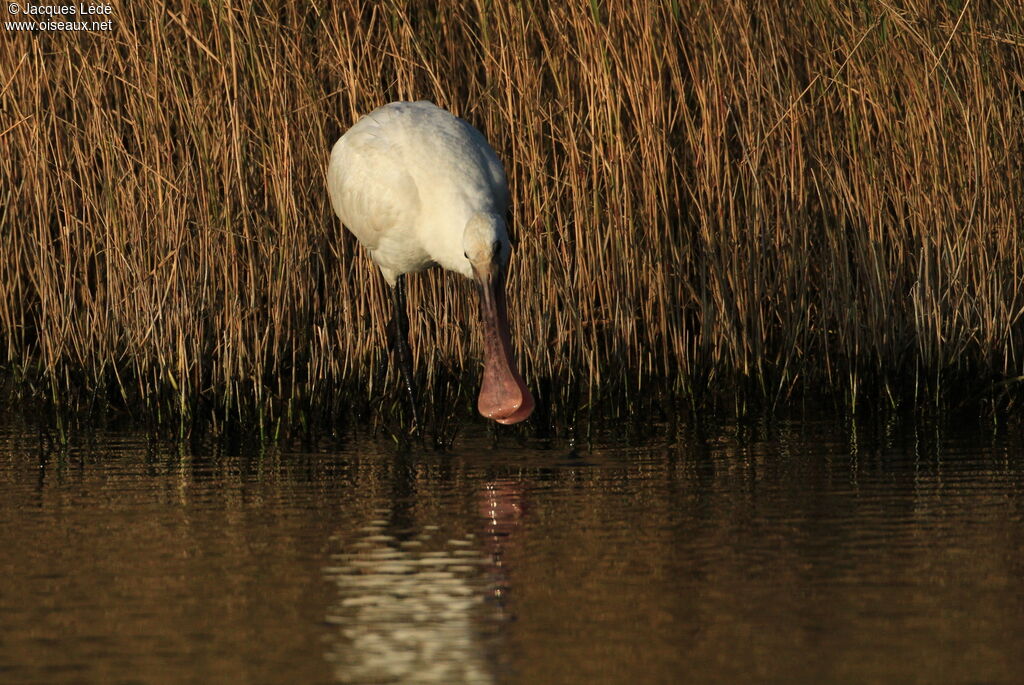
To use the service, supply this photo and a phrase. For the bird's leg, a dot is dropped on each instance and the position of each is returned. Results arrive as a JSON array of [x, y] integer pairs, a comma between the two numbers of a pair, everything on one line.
[[400, 331], [390, 334]]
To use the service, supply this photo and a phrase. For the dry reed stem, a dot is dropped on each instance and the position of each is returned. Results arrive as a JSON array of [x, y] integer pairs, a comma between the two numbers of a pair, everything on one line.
[[725, 195]]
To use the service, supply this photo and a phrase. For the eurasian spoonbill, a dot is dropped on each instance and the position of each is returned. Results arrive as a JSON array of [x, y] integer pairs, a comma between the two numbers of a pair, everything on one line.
[[420, 187]]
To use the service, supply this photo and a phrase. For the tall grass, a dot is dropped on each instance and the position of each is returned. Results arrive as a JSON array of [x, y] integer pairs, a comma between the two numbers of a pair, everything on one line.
[[733, 196]]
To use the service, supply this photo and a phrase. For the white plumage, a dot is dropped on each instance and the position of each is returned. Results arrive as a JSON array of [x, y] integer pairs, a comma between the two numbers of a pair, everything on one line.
[[405, 177], [418, 187]]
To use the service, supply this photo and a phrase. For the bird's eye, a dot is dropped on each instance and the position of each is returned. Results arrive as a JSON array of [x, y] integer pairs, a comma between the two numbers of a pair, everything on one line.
[[466, 255]]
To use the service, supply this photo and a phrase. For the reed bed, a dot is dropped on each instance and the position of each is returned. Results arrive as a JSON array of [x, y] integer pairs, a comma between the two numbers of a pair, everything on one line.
[[731, 199]]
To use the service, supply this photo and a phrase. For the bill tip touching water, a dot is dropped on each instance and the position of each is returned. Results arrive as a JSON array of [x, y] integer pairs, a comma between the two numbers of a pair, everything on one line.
[[419, 187]]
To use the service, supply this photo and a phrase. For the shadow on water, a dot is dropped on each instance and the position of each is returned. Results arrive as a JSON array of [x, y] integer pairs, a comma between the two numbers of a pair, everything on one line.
[[800, 551]]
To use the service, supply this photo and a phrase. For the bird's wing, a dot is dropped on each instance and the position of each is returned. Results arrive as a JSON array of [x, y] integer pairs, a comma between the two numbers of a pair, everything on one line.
[[370, 190], [495, 170]]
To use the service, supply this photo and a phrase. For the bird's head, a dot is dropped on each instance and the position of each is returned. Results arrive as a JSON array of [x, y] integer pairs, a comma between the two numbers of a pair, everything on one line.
[[485, 243], [504, 396]]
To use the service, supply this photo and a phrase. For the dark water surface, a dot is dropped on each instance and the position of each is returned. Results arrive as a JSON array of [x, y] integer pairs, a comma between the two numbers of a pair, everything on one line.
[[801, 553]]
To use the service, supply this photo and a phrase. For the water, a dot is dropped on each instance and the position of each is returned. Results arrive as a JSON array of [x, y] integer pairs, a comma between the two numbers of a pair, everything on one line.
[[801, 553]]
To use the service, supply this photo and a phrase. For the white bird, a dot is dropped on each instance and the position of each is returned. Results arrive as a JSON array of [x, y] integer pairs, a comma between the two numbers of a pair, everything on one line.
[[420, 187]]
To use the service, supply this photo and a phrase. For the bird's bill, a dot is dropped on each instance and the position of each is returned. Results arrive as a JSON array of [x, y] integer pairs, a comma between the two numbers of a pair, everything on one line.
[[504, 396]]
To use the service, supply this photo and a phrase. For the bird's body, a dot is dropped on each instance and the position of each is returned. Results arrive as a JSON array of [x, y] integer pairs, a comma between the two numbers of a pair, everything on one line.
[[418, 186], [404, 175]]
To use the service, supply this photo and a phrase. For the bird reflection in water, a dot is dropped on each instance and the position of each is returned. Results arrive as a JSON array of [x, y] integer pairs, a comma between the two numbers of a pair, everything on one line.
[[501, 507], [419, 608]]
